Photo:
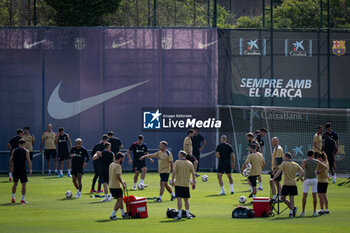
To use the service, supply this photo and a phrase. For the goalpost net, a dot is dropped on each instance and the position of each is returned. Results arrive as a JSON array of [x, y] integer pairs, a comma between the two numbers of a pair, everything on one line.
[[295, 128]]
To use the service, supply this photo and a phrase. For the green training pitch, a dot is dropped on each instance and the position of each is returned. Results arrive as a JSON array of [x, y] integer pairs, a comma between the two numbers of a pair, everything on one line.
[[50, 211]]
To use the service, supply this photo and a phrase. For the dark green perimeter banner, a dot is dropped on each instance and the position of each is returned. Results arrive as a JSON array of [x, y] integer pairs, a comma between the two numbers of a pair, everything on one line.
[[294, 69]]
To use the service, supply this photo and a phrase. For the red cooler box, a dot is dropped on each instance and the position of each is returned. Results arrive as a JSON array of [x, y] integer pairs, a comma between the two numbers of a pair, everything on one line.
[[262, 206], [138, 207]]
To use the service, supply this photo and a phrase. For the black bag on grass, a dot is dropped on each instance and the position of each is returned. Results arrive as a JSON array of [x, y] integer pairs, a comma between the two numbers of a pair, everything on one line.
[[242, 212], [172, 213]]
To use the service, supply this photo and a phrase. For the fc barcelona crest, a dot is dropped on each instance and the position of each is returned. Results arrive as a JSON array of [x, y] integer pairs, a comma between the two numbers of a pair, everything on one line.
[[338, 47], [79, 43]]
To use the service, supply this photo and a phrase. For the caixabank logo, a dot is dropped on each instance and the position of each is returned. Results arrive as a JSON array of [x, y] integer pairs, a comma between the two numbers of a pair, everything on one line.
[[179, 119]]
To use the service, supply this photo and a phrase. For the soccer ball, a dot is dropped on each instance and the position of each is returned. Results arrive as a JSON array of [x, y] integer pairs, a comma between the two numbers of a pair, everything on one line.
[[191, 181], [246, 172], [140, 186], [249, 166], [69, 194], [171, 182], [242, 199], [205, 178]]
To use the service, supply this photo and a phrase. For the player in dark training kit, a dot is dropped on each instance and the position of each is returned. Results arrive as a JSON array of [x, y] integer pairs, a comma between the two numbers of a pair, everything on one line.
[[198, 143], [64, 145], [18, 159], [80, 157], [328, 138], [107, 157], [116, 144], [224, 153], [139, 149], [98, 164], [13, 144]]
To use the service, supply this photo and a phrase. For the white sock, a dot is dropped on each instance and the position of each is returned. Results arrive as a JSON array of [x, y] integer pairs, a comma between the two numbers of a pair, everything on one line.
[[260, 185], [113, 213], [251, 188], [254, 196], [106, 195], [326, 210], [135, 185], [141, 181], [274, 197], [122, 211], [173, 194], [61, 172], [222, 189], [321, 210], [77, 190], [10, 174], [160, 197], [49, 170], [334, 177], [69, 170], [13, 195], [55, 170], [23, 197], [291, 212], [179, 214], [187, 213], [231, 185]]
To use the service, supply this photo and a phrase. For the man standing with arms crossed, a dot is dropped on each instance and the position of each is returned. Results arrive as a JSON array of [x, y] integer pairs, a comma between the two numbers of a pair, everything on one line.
[[30, 140], [18, 159], [183, 169], [116, 144], [50, 148], [289, 169], [64, 145], [277, 159], [224, 153], [165, 166]]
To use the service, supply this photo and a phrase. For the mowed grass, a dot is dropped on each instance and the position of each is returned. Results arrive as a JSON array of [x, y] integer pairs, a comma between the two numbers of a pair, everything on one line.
[[50, 211]]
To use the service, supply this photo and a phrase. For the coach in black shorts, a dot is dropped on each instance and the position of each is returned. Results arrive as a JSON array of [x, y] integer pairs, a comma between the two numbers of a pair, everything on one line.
[[18, 159], [224, 153]]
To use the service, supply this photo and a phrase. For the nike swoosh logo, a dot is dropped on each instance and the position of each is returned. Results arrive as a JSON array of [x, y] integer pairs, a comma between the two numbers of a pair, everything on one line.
[[118, 45], [203, 46], [28, 46], [58, 109]]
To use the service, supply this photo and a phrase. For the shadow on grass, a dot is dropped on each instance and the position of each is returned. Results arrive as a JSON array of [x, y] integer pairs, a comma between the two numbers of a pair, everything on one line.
[[65, 199], [216, 195], [104, 220], [247, 191], [51, 177], [9, 204], [172, 221], [6, 181]]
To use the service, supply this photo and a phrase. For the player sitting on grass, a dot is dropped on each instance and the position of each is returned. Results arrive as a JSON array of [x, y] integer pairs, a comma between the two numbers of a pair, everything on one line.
[[165, 166], [257, 161], [289, 169], [115, 183], [18, 159], [309, 165], [107, 158], [322, 185], [139, 149], [183, 169], [80, 157], [224, 153]]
